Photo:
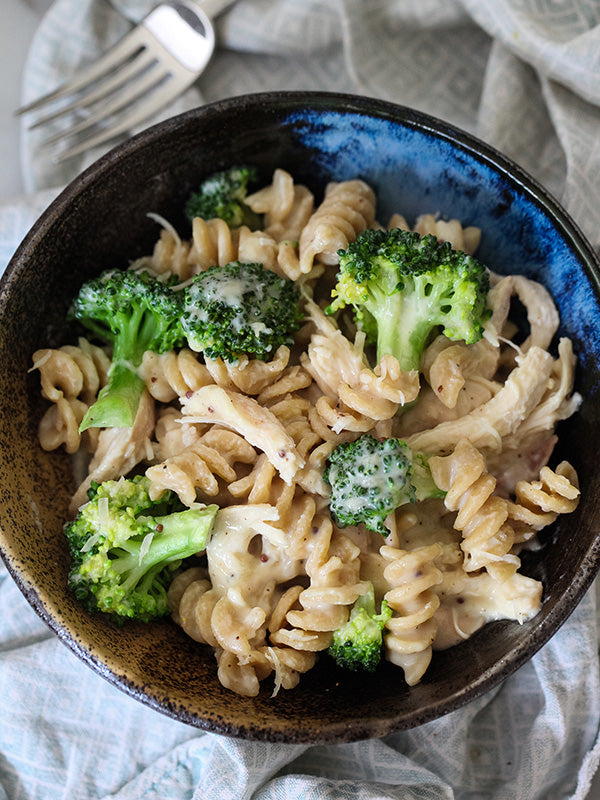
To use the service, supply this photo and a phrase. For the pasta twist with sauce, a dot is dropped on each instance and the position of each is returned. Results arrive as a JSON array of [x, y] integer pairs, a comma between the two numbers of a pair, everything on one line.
[[286, 205], [538, 503], [175, 373], [247, 557], [172, 374], [314, 442], [71, 377], [348, 208], [213, 243], [355, 397], [249, 375], [482, 516], [332, 564], [170, 256], [376, 395], [411, 630], [198, 466], [263, 485]]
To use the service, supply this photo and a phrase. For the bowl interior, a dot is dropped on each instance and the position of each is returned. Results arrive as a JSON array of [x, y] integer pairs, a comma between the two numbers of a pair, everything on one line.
[[416, 165]]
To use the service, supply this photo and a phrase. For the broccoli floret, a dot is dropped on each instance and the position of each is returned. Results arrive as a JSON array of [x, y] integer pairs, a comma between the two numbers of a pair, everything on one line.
[[126, 548], [403, 286], [357, 645], [222, 195], [240, 308], [133, 312], [371, 477]]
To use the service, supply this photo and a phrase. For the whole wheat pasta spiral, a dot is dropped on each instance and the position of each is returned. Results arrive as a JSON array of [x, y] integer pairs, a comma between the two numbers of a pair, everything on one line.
[[538, 503], [263, 485], [60, 426], [411, 630], [71, 371], [286, 205], [240, 616], [355, 397], [348, 208], [333, 565], [482, 516], [313, 441], [248, 375], [213, 455], [71, 377], [172, 435], [172, 374], [192, 600], [171, 255], [213, 243], [461, 238], [260, 247]]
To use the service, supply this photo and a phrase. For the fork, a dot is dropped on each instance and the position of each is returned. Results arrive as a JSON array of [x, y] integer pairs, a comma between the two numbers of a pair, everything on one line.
[[142, 73]]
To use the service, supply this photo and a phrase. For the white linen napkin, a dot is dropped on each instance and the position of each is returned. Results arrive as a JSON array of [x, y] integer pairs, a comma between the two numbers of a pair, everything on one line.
[[523, 75]]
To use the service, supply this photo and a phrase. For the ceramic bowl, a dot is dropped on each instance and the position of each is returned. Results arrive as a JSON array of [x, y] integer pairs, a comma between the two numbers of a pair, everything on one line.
[[416, 164]]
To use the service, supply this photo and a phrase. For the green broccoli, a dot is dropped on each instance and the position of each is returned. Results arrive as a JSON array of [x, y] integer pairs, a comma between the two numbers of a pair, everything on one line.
[[403, 286], [125, 548], [240, 308], [357, 645], [222, 195], [133, 312], [371, 477]]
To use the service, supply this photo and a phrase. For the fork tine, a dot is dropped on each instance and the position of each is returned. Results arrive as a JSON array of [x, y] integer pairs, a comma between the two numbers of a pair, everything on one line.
[[131, 84], [140, 63], [129, 95], [122, 51], [158, 99]]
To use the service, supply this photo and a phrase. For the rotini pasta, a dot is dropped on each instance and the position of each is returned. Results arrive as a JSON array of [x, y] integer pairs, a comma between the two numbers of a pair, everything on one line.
[[287, 206], [71, 378], [197, 467], [347, 209], [332, 563], [172, 374], [412, 628], [280, 575], [482, 516], [355, 397]]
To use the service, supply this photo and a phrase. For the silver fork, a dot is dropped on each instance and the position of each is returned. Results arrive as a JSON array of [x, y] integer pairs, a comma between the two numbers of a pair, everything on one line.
[[138, 76]]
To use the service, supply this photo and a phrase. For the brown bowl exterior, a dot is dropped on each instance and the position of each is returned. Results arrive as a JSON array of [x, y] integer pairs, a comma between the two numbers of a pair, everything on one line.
[[100, 221]]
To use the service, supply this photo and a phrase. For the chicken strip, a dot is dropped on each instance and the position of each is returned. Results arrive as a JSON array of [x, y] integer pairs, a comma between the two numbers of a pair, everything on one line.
[[244, 415]]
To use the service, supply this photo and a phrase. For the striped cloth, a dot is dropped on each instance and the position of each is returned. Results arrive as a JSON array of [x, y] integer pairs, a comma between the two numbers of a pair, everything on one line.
[[525, 76]]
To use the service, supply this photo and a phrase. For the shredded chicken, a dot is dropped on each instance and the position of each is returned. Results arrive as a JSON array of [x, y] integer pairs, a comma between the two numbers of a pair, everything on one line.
[[255, 423], [541, 311], [486, 425], [119, 450]]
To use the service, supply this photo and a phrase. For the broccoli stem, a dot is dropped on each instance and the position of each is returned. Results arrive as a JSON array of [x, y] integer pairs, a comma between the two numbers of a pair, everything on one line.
[[405, 321], [399, 332], [118, 401], [178, 536]]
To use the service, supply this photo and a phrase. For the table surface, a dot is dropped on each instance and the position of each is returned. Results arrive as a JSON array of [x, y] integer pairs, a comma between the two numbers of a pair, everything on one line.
[[15, 38]]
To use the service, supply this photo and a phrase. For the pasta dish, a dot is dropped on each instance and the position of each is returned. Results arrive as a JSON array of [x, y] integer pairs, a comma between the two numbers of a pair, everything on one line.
[[255, 437]]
